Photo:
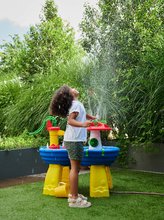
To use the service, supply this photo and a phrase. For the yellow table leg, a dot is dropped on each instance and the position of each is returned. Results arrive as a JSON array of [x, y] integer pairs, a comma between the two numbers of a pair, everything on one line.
[[109, 177], [98, 181], [65, 175], [62, 190], [57, 181], [53, 177]]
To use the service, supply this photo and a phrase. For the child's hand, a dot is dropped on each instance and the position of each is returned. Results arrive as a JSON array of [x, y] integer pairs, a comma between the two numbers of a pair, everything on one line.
[[90, 117], [86, 124], [93, 118]]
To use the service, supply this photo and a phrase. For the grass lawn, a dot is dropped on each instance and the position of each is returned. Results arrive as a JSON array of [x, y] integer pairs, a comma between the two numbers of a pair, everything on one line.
[[26, 201]]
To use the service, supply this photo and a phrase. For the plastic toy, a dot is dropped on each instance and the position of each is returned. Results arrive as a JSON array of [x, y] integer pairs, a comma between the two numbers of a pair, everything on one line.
[[95, 139], [50, 123], [99, 187], [57, 177], [98, 157]]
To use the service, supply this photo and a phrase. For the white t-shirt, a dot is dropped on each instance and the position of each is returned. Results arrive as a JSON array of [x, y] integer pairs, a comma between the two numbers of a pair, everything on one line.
[[76, 134]]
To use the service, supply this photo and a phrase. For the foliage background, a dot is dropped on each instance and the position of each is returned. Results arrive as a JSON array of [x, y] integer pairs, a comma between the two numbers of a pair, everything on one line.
[[127, 40], [117, 65], [33, 68]]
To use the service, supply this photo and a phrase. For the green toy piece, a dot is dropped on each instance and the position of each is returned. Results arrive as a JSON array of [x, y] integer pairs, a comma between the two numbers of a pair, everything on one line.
[[96, 121], [93, 142], [48, 118]]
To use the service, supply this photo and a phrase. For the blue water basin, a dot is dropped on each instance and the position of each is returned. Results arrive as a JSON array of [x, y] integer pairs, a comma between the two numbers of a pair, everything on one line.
[[106, 156]]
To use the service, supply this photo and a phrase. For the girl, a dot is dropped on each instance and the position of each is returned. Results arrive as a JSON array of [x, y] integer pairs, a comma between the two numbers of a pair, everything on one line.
[[65, 104]]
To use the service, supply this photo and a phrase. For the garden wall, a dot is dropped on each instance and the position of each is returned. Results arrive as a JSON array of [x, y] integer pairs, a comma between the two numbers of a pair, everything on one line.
[[148, 161], [143, 160], [22, 162]]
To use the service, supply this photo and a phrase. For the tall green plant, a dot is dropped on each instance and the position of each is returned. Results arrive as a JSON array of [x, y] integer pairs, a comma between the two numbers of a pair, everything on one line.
[[9, 92], [51, 41], [33, 102], [130, 46], [45, 59]]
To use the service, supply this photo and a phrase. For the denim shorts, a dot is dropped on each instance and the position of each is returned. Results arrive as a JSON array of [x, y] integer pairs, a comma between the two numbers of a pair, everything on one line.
[[75, 150]]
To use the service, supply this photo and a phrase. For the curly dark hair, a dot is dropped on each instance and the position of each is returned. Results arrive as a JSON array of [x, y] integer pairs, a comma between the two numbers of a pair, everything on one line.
[[61, 102]]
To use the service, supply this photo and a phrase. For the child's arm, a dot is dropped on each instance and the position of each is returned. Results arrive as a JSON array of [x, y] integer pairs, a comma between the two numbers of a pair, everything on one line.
[[90, 117], [72, 121]]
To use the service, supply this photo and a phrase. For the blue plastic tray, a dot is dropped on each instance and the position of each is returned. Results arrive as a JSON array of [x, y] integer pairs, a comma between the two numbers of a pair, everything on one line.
[[106, 156]]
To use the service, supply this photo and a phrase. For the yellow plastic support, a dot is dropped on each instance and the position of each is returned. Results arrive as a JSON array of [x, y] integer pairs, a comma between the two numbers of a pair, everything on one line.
[[64, 186], [65, 175], [53, 177], [62, 190], [57, 181], [109, 178], [54, 136], [98, 181]]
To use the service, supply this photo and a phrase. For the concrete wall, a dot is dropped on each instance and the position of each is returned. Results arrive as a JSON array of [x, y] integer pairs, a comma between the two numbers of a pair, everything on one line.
[[16, 163], [148, 161]]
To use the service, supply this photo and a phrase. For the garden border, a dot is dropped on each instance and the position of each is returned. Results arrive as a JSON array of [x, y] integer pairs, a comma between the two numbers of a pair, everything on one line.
[[148, 161], [21, 162]]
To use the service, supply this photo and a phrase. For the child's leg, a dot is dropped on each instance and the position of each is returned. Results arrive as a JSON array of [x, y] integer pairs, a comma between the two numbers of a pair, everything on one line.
[[75, 166]]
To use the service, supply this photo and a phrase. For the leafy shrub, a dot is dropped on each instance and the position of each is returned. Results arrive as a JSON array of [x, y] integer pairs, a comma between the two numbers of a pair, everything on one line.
[[31, 107], [126, 40], [22, 141]]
